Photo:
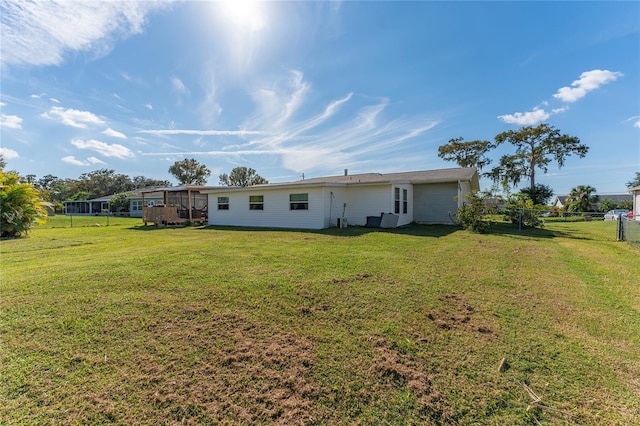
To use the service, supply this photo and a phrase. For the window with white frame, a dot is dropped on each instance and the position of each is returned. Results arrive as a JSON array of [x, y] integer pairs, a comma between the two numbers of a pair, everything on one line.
[[405, 201], [256, 202], [396, 200], [223, 203], [298, 201], [136, 205]]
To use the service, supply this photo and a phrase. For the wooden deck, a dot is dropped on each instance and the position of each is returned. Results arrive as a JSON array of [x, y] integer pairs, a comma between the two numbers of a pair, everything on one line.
[[165, 216]]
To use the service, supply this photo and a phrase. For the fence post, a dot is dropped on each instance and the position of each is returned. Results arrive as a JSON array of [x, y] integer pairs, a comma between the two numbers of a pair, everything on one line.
[[620, 228]]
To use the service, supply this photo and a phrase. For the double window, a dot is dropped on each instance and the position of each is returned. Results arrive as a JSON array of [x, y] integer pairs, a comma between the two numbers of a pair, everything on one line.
[[298, 201], [223, 203], [256, 202], [136, 205], [396, 201]]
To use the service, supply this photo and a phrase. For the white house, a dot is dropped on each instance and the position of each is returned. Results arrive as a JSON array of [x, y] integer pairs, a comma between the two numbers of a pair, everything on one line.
[[431, 197], [635, 191]]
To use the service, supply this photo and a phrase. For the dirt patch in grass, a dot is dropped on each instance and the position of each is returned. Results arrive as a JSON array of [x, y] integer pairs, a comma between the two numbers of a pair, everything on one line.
[[397, 370], [236, 372], [457, 314]]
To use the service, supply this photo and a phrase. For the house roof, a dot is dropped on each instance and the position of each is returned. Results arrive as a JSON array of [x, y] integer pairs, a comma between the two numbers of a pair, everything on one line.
[[415, 177], [179, 188]]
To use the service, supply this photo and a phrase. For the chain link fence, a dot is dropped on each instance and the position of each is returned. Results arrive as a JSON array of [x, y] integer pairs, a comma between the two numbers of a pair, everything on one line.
[[629, 230], [80, 221]]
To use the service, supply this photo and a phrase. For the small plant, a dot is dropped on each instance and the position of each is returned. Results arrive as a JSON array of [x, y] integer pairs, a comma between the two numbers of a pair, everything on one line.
[[471, 214]]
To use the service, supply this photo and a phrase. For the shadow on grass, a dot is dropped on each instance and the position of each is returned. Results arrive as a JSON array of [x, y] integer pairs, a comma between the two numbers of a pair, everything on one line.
[[351, 231], [434, 231]]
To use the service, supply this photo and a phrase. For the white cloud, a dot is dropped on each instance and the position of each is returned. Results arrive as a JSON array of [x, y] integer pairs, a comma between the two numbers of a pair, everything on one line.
[[114, 133], [588, 81], [54, 100], [72, 117], [94, 160], [148, 106], [10, 121], [115, 150], [8, 153], [179, 86], [203, 132], [2, 104], [635, 120], [559, 110], [34, 96], [529, 118], [43, 33], [70, 159]]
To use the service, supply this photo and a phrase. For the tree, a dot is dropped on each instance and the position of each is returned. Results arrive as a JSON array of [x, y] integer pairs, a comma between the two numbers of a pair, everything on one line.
[[120, 201], [190, 172], [20, 206], [242, 176], [145, 182], [607, 205], [540, 195], [536, 148], [466, 154], [100, 183], [581, 199], [635, 182]]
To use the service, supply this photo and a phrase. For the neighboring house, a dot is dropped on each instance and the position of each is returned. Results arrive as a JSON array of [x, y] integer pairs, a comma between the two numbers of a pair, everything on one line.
[[635, 193], [431, 197], [95, 206], [561, 200]]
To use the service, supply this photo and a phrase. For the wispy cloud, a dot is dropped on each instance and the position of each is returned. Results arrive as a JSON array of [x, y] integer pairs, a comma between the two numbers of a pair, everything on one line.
[[588, 81], [43, 33], [635, 120], [348, 131], [114, 133], [114, 150], [10, 121], [54, 100], [8, 153], [203, 132], [179, 86], [148, 106], [94, 160], [72, 117]]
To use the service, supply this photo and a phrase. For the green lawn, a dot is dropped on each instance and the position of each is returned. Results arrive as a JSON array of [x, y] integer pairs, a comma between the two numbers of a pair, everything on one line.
[[126, 324]]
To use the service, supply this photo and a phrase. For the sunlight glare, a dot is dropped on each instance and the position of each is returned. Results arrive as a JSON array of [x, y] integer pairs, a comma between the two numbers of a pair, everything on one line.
[[244, 13]]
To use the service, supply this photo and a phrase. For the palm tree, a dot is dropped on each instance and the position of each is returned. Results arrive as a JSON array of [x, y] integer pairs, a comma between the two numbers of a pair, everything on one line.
[[581, 199]]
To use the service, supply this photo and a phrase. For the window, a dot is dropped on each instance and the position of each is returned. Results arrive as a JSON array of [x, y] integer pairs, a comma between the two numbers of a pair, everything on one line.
[[404, 201], [136, 205], [223, 203], [396, 198], [298, 201], [256, 202]]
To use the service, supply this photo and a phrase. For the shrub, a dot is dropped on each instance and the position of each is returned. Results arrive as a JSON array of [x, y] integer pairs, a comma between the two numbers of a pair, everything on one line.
[[471, 214], [20, 206]]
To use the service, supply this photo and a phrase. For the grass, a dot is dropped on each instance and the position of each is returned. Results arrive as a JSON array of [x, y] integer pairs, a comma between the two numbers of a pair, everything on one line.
[[126, 324]]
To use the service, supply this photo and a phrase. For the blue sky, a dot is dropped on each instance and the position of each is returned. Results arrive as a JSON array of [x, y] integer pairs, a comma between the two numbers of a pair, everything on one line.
[[313, 88]]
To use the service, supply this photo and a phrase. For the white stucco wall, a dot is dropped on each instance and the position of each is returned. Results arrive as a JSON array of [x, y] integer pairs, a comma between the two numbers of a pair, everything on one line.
[[368, 200], [276, 213]]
